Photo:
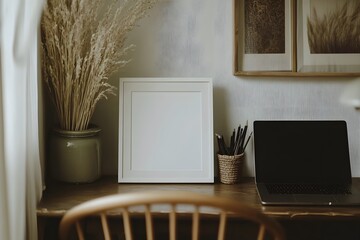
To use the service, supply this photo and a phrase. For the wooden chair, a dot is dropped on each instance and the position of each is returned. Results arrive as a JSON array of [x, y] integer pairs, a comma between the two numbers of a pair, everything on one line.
[[222, 208]]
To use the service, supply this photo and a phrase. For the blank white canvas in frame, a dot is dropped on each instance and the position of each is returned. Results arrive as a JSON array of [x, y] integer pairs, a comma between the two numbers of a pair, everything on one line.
[[166, 130]]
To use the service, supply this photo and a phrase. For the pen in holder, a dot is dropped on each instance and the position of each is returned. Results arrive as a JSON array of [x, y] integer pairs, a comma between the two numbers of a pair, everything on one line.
[[231, 158]]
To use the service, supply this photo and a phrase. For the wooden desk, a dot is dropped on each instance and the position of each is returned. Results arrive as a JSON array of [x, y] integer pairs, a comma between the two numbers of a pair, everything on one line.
[[300, 222]]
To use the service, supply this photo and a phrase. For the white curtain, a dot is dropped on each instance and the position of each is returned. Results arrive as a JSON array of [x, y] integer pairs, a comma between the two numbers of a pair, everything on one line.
[[20, 174]]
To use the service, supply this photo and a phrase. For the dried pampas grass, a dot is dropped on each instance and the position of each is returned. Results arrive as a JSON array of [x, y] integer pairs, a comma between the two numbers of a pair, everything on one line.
[[83, 44], [337, 31]]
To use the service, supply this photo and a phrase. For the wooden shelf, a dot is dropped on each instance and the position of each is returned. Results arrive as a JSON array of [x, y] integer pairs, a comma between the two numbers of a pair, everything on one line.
[[294, 74]]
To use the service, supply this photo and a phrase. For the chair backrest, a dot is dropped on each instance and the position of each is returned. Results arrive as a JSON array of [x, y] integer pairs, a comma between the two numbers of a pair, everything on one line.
[[122, 204]]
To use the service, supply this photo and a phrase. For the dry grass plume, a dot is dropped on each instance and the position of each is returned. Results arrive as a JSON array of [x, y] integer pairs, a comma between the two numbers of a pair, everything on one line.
[[83, 44], [337, 31]]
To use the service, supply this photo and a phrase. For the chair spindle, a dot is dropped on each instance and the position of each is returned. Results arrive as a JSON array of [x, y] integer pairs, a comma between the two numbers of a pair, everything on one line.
[[105, 226], [172, 222], [127, 224], [222, 224], [79, 231], [149, 224], [195, 224], [261, 235]]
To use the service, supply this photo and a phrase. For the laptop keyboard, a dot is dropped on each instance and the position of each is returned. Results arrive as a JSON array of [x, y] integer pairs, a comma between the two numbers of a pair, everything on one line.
[[307, 189]]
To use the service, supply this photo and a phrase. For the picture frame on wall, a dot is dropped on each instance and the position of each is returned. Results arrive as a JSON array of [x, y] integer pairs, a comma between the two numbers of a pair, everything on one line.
[[265, 35], [166, 130], [327, 36], [253, 30]]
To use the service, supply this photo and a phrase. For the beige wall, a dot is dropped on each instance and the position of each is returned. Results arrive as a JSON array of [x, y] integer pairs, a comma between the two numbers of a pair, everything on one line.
[[193, 38]]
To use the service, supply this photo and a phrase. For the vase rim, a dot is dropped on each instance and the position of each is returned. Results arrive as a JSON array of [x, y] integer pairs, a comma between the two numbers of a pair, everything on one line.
[[91, 131]]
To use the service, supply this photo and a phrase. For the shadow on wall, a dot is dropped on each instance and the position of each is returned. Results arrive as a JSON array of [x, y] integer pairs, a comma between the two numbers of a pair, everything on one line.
[[220, 118], [107, 117]]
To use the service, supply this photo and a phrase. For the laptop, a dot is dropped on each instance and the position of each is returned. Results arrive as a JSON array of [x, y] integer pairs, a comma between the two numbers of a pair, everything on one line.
[[303, 163]]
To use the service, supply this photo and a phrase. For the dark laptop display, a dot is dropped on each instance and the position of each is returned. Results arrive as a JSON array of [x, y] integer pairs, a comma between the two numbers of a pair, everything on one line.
[[303, 162]]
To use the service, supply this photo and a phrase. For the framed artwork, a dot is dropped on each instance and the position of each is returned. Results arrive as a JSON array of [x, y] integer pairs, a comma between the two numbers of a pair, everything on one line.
[[296, 38], [328, 36], [166, 130], [265, 39]]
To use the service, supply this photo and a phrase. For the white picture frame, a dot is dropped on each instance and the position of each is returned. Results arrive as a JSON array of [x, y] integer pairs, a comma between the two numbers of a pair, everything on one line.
[[166, 130]]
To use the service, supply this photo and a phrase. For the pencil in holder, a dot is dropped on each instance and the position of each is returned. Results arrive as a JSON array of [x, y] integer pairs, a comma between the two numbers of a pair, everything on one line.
[[230, 168]]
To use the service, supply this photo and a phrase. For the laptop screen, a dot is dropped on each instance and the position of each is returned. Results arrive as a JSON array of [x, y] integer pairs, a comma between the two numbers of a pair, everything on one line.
[[301, 152]]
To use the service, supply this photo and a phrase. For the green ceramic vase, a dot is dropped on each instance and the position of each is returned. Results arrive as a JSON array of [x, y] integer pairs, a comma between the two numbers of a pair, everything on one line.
[[75, 155]]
